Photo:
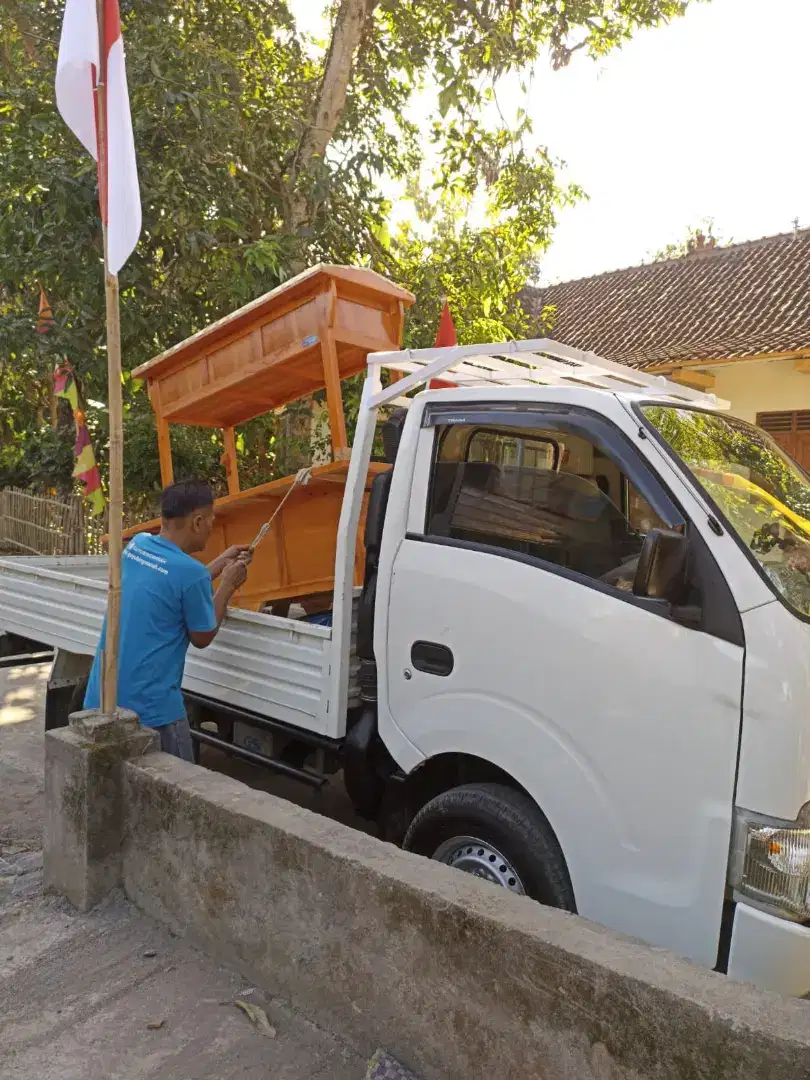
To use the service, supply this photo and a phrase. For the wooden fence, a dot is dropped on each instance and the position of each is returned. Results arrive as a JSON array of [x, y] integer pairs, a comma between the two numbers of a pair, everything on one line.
[[37, 525]]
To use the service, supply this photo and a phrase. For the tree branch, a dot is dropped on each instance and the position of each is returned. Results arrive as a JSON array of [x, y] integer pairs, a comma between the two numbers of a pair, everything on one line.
[[350, 24], [23, 24], [483, 22]]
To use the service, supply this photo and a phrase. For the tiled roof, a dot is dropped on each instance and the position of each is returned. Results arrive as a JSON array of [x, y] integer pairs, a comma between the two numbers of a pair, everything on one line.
[[741, 300]]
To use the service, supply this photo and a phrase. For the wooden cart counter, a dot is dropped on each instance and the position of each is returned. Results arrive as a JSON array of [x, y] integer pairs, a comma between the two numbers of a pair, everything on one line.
[[306, 335]]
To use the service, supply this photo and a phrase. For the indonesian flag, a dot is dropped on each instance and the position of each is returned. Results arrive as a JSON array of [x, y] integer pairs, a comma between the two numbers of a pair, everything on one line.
[[77, 74], [445, 336]]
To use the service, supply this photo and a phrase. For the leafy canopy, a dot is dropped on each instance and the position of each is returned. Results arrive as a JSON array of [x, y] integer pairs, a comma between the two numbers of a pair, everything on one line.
[[260, 153]]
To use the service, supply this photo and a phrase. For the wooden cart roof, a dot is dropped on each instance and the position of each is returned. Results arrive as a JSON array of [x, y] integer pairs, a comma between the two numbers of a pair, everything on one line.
[[311, 281]]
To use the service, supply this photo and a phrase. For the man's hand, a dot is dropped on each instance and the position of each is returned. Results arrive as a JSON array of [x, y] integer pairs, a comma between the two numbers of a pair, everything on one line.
[[235, 552], [234, 574]]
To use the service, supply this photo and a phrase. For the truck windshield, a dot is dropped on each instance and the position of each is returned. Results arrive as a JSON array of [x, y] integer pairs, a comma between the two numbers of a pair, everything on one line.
[[762, 493]]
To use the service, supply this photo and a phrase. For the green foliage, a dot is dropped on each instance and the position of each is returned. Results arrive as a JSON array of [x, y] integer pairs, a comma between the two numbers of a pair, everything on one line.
[[763, 494], [697, 237], [40, 458], [480, 270], [223, 97], [725, 444]]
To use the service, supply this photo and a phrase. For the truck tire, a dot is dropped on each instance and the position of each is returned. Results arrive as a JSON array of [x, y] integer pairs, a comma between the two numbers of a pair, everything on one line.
[[497, 833]]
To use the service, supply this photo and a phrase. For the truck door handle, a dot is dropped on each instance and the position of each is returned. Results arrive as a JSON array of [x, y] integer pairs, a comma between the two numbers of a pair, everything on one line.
[[432, 658]]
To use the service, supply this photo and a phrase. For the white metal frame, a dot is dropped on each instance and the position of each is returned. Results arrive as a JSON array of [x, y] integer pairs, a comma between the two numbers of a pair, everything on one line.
[[540, 361], [345, 552]]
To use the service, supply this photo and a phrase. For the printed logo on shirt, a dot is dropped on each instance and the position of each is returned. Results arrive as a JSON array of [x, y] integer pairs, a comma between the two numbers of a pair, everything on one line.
[[144, 558]]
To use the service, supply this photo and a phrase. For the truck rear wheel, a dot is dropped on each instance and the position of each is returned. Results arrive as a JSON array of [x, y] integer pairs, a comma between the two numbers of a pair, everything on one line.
[[496, 833]]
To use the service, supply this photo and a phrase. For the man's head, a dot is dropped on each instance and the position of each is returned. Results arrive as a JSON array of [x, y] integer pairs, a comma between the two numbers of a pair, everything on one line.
[[188, 514]]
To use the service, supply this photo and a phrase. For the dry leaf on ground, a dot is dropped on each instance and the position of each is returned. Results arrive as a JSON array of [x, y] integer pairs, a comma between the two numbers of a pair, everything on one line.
[[257, 1017]]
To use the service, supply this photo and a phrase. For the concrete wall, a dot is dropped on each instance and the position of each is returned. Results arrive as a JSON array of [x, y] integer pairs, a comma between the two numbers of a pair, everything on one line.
[[456, 977], [761, 386]]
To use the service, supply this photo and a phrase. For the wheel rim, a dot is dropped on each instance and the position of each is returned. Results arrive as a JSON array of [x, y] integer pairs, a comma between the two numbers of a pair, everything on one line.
[[481, 859]]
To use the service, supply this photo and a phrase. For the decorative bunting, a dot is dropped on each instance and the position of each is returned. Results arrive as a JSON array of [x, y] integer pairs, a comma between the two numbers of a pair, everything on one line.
[[85, 469], [45, 319]]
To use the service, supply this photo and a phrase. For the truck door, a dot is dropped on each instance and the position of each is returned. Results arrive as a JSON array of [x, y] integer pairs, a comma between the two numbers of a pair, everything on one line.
[[513, 636]]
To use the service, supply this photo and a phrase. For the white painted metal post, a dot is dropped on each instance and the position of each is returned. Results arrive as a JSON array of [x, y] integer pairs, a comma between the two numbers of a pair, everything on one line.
[[345, 555]]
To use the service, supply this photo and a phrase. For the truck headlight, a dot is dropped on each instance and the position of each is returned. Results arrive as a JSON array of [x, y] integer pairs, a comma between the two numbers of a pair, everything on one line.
[[770, 862]]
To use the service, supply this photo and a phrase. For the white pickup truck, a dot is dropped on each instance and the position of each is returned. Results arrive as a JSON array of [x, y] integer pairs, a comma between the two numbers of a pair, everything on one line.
[[579, 666]]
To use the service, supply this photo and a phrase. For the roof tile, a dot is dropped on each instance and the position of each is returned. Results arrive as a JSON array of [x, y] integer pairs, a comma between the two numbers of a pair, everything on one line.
[[736, 301]]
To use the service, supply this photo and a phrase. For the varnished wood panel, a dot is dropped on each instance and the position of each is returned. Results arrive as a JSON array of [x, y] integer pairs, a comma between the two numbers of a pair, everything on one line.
[[297, 556], [269, 353]]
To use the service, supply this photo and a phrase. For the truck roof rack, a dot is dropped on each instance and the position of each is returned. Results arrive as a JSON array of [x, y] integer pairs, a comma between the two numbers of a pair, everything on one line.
[[525, 363]]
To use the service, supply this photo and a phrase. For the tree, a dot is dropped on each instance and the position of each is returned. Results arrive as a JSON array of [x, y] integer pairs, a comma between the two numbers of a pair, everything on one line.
[[698, 238], [257, 158]]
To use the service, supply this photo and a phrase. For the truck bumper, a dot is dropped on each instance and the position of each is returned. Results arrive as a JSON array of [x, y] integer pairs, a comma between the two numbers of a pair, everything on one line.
[[771, 952]]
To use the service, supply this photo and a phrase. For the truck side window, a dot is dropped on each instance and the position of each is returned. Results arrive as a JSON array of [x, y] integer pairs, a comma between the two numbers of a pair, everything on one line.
[[548, 494]]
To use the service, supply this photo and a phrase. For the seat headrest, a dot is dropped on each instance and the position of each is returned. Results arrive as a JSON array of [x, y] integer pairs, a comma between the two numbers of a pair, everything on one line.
[[392, 433], [481, 475]]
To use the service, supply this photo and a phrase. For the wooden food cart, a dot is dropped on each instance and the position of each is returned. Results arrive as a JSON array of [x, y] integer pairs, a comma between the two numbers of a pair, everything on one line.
[[307, 335]]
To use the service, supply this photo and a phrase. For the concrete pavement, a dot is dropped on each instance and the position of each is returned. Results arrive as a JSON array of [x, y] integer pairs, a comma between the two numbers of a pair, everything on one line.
[[111, 995], [22, 703]]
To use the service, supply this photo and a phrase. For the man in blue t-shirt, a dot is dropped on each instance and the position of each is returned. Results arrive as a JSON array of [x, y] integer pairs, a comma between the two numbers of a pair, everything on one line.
[[167, 602]]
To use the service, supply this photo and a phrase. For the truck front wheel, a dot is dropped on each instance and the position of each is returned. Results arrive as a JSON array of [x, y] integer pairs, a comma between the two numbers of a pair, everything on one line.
[[496, 833]]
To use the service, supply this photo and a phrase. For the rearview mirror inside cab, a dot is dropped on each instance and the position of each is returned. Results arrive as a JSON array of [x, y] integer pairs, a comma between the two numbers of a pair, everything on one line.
[[661, 572]]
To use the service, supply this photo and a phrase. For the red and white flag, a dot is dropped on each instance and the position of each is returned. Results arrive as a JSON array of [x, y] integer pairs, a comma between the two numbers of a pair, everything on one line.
[[77, 73]]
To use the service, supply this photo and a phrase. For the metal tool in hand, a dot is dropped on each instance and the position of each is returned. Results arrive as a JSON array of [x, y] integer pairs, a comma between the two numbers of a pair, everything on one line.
[[302, 478]]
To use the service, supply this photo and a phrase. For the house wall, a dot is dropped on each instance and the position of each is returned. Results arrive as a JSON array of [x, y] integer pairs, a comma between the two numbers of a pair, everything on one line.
[[761, 386]]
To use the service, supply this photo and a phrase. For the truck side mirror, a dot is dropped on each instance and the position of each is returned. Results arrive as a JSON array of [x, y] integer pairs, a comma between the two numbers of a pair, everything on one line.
[[661, 571]]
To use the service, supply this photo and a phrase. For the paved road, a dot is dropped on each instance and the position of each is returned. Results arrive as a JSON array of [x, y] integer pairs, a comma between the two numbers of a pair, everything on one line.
[[22, 701], [112, 996], [78, 992]]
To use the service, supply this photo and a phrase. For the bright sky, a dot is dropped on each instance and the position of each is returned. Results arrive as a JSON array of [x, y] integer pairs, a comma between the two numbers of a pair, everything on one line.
[[704, 118]]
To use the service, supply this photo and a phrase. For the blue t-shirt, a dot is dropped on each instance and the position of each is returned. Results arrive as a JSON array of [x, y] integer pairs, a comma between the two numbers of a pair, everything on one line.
[[164, 594]]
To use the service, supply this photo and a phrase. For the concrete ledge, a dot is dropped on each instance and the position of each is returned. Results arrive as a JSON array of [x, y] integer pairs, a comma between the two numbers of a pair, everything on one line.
[[453, 976]]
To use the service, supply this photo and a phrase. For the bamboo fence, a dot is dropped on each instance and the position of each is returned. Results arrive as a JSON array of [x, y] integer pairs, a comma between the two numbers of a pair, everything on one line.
[[34, 524], [38, 525]]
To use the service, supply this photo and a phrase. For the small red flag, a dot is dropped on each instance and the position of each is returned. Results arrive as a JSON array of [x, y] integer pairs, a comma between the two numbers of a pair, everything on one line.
[[445, 336]]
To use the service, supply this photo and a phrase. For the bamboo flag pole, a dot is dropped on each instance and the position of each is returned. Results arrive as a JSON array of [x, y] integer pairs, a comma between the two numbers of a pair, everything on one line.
[[92, 97], [109, 693]]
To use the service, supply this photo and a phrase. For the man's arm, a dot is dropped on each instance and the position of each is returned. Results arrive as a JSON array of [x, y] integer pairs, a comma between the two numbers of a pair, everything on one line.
[[235, 551], [233, 576]]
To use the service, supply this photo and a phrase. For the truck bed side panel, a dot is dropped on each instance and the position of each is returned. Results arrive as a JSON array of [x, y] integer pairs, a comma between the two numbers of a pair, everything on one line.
[[275, 667]]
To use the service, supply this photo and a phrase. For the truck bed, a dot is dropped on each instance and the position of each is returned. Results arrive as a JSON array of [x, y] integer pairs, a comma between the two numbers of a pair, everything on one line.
[[275, 667]]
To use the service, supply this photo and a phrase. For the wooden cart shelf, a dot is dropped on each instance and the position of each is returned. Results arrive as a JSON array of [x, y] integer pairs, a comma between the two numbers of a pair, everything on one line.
[[307, 335]]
